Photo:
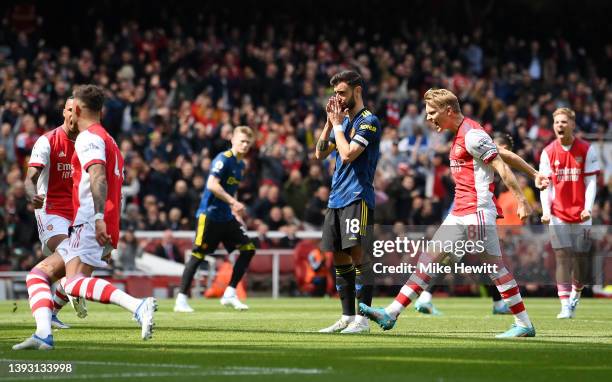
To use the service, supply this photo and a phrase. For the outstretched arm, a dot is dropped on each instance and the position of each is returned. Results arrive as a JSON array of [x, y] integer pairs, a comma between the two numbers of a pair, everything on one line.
[[518, 163], [507, 176]]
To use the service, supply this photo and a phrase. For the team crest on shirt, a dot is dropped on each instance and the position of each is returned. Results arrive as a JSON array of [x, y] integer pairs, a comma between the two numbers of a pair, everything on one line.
[[50, 227], [579, 159]]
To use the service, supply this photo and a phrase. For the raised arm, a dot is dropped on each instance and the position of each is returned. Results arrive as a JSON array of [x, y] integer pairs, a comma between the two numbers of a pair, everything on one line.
[[324, 146], [348, 151]]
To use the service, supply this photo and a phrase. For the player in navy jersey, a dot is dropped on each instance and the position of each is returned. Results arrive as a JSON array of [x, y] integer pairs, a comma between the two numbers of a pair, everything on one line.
[[218, 216], [353, 132]]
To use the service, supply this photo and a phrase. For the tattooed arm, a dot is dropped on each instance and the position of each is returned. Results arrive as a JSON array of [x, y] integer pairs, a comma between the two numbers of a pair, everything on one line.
[[99, 187]]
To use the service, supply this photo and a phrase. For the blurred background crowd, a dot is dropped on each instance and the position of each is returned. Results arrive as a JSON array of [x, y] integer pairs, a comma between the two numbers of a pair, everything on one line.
[[180, 77]]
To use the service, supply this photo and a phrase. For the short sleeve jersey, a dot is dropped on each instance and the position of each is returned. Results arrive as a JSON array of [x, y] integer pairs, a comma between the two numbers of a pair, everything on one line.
[[470, 156], [52, 153], [96, 146], [230, 171], [567, 169]]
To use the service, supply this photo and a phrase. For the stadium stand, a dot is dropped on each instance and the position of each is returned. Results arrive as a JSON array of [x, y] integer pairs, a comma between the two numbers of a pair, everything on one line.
[[179, 82]]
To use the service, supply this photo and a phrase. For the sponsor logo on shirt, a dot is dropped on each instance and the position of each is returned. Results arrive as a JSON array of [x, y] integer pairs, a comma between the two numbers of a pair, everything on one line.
[[457, 165], [62, 154], [91, 146], [65, 169], [568, 174], [368, 127]]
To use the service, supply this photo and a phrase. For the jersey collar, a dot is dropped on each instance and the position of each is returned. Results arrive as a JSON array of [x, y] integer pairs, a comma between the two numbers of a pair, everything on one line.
[[356, 114]]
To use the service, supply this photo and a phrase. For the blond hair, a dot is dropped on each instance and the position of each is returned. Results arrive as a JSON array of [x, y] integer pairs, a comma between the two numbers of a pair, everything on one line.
[[244, 130], [441, 98], [566, 111]]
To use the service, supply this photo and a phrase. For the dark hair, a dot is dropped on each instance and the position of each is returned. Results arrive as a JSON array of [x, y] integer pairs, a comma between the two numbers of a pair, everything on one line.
[[504, 139], [351, 77], [91, 95]]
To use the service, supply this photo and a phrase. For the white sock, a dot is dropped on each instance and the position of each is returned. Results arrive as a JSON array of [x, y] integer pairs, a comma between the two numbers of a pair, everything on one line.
[[522, 319], [181, 297], [43, 322], [425, 297], [229, 292], [394, 309], [361, 320], [346, 318], [124, 300], [499, 304]]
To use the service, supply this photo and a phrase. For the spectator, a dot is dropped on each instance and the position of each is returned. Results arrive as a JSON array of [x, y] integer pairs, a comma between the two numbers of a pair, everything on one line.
[[174, 94], [181, 199], [295, 192], [128, 250], [166, 249], [316, 208]]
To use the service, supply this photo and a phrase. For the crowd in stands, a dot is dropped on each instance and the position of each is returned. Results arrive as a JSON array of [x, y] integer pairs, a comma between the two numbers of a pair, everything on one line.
[[174, 97]]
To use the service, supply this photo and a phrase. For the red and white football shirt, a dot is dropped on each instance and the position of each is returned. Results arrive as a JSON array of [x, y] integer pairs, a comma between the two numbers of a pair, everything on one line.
[[96, 146], [53, 153], [567, 167], [471, 152]]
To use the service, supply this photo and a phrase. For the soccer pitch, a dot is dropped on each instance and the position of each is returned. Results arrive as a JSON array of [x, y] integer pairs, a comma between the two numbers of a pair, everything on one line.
[[277, 341]]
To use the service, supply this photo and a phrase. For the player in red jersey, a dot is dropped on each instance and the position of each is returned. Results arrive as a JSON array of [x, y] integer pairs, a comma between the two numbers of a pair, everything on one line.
[[97, 177], [49, 188], [473, 156], [504, 145], [572, 165]]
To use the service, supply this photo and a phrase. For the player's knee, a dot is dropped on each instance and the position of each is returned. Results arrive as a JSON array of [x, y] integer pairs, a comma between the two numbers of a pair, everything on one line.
[[198, 253], [249, 247], [47, 268], [70, 283], [247, 255]]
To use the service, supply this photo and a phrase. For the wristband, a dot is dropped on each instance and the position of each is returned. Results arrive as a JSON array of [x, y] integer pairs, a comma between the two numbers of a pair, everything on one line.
[[338, 129], [99, 216]]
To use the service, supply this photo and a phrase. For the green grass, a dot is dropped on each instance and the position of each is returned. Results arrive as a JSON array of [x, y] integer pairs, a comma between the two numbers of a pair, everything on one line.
[[276, 341]]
